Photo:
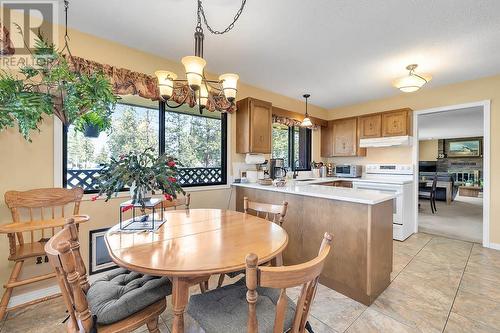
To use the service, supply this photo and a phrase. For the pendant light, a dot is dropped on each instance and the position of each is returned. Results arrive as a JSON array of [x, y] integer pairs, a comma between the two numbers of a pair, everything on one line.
[[306, 122], [413, 81]]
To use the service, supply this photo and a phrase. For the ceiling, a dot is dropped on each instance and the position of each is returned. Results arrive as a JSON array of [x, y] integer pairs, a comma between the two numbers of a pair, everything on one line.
[[342, 52], [461, 123]]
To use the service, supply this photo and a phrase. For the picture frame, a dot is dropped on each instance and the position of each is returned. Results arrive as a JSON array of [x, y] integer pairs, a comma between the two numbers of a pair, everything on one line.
[[464, 148]]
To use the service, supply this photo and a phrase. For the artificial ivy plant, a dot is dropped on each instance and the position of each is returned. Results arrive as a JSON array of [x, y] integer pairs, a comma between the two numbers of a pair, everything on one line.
[[51, 86]]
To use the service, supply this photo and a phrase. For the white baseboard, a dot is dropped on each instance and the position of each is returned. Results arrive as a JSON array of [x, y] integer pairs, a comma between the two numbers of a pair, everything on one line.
[[494, 246], [32, 295], [45, 292]]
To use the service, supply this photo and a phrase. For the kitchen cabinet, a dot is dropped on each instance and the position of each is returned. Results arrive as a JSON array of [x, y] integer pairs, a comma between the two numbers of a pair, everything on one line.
[[327, 140], [346, 138], [341, 138], [370, 126], [396, 123], [253, 126]]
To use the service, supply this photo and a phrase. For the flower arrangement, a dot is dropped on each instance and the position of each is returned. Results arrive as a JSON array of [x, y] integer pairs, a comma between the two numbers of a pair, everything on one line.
[[143, 172]]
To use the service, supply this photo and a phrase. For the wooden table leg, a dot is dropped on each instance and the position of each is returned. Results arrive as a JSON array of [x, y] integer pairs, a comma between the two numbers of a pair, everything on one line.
[[180, 298]]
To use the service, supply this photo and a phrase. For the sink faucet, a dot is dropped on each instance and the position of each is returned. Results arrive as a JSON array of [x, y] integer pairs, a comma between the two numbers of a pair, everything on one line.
[[295, 171]]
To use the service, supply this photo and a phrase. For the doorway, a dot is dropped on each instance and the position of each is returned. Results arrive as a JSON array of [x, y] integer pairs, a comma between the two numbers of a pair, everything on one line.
[[451, 153]]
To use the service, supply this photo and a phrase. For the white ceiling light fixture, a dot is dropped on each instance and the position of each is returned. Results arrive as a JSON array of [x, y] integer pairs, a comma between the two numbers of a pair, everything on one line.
[[413, 81], [307, 121]]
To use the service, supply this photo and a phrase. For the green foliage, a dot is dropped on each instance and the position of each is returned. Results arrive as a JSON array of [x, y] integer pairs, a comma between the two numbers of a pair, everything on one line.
[[145, 170], [93, 119], [280, 142], [51, 87], [196, 141], [20, 106]]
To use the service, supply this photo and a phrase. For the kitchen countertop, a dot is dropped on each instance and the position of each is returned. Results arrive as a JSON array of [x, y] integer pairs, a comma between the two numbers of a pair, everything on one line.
[[311, 189]]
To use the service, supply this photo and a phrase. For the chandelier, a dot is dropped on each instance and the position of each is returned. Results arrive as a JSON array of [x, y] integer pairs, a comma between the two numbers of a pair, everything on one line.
[[196, 89], [413, 81]]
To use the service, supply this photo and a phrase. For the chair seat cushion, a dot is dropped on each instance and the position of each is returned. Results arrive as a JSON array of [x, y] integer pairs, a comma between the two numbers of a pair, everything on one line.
[[226, 309], [235, 274], [123, 293]]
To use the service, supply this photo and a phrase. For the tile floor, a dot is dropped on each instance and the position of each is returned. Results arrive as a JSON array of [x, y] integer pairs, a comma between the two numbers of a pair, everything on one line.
[[438, 285]]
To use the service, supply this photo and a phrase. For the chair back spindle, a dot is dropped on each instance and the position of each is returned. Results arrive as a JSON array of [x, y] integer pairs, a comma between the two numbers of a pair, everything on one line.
[[270, 212], [283, 277]]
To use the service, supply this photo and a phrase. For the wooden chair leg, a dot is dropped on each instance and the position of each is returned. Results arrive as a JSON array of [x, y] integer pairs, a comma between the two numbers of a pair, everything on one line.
[[153, 325], [203, 287], [221, 280], [8, 291]]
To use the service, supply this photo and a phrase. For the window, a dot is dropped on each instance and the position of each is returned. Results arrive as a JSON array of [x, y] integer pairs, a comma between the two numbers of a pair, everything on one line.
[[293, 144], [198, 141]]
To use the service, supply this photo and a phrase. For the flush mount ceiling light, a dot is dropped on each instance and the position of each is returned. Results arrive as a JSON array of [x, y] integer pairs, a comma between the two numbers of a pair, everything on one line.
[[306, 122], [196, 89], [413, 81]]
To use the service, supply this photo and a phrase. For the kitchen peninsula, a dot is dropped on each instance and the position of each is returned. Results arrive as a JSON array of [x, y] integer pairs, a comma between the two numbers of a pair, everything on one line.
[[360, 263]]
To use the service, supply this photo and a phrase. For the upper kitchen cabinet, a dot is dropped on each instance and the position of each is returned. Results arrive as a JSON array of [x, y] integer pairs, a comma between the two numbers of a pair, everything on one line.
[[327, 140], [253, 126], [341, 138], [396, 122], [370, 126], [345, 138]]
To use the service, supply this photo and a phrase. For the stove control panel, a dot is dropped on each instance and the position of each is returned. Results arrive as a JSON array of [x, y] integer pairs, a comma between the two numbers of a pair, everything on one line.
[[390, 169]]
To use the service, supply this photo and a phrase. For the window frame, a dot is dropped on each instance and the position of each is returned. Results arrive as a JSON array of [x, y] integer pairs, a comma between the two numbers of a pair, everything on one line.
[[161, 147], [291, 148]]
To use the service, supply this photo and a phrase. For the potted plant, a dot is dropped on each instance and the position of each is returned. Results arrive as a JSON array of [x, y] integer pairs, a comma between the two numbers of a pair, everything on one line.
[[144, 173], [92, 124], [53, 86]]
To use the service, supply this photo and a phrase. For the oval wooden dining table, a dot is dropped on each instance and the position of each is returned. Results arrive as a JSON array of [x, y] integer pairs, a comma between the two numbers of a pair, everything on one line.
[[194, 244]]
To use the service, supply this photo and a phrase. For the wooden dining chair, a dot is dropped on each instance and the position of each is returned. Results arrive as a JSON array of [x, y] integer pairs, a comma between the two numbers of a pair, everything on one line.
[[273, 213], [37, 206], [120, 302], [270, 212], [262, 304], [179, 202]]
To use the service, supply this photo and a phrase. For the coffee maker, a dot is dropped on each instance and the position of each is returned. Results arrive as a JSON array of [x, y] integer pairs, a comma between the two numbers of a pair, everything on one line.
[[277, 168]]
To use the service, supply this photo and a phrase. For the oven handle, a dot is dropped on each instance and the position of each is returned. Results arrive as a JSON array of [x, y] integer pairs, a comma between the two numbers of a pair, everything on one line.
[[364, 186]]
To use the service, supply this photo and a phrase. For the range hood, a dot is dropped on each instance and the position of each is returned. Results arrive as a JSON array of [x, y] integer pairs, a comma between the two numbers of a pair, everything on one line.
[[391, 141]]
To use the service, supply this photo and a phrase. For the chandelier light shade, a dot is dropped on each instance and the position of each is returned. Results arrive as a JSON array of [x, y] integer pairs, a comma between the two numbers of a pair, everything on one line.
[[307, 121], [413, 81], [194, 70], [229, 85], [166, 83], [196, 89], [203, 97]]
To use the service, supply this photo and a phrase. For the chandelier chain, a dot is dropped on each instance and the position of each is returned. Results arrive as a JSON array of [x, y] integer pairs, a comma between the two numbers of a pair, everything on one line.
[[201, 14]]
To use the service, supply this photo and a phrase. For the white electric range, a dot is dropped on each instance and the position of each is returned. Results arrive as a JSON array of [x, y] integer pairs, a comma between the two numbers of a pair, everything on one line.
[[396, 179]]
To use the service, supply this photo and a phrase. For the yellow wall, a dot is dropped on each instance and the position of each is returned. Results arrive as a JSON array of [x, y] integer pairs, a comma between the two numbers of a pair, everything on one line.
[[428, 150], [30, 165], [464, 92]]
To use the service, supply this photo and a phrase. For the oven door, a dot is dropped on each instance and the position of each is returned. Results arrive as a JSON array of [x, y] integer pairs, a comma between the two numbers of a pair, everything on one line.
[[395, 190]]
